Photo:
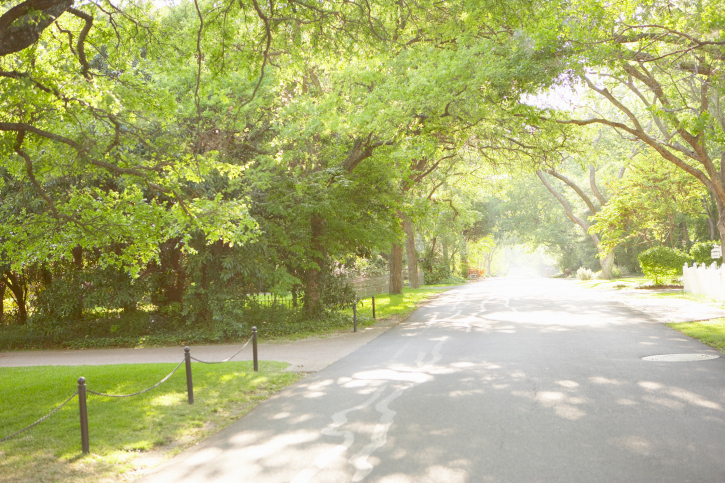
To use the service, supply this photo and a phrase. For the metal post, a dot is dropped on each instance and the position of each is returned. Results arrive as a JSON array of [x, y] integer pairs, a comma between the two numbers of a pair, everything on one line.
[[373, 307], [85, 444], [254, 349], [354, 317], [189, 382]]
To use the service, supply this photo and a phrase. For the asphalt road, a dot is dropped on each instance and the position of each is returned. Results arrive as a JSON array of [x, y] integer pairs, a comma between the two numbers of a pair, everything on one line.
[[506, 380]]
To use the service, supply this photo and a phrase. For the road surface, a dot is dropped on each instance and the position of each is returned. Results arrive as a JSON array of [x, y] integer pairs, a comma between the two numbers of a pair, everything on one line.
[[505, 380]]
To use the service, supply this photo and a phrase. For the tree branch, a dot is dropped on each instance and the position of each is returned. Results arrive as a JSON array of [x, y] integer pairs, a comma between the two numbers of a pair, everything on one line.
[[593, 184], [564, 203], [22, 25], [576, 188], [80, 45]]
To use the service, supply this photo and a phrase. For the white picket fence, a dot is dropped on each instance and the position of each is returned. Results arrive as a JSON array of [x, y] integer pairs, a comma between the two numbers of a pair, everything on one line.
[[704, 280]]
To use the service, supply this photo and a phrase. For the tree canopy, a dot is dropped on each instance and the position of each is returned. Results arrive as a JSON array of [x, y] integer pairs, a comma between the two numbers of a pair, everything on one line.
[[198, 152]]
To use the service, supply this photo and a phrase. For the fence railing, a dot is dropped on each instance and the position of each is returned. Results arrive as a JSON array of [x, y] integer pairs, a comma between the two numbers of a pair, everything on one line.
[[83, 391], [704, 280], [270, 300], [364, 287]]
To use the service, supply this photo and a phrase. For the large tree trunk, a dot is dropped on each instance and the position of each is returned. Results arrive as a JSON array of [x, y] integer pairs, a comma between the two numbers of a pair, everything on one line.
[[712, 228], [313, 286], [686, 242], [410, 253], [77, 252], [721, 222], [464, 258], [2, 300], [170, 284], [396, 270], [489, 263], [607, 264], [19, 290]]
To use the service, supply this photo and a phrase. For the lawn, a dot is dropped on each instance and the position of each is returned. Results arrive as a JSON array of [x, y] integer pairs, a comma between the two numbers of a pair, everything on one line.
[[703, 299], [616, 283], [710, 332], [127, 435], [400, 305]]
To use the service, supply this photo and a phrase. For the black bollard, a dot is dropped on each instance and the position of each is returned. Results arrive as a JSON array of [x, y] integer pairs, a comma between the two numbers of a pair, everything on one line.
[[189, 382], [85, 444], [254, 349], [373, 307], [354, 317]]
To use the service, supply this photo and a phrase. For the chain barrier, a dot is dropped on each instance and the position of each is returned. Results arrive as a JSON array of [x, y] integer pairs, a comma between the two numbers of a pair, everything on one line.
[[228, 358], [82, 390], [140, 392], [41, 419]]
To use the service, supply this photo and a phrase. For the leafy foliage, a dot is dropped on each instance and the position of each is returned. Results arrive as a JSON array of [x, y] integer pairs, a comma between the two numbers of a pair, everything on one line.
[[701, 252], [584, 274], [662, 264]]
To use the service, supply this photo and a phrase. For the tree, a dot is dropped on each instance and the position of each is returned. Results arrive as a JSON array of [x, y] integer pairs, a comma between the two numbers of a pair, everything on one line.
[[23, 24], [654, 204], [606, 257], [659, 68]]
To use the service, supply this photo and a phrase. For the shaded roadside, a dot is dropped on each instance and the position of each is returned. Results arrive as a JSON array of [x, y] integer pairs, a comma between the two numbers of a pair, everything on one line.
[[306, 355], [664, 309]]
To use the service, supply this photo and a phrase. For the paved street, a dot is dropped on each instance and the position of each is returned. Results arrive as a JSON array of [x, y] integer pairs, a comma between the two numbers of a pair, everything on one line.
[[506, 380]]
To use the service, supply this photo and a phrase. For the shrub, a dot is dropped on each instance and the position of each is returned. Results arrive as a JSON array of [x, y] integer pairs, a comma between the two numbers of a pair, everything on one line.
[[453, 280], [700, 252], [437, 274], [616, 272], [584, 274], [662, 264]]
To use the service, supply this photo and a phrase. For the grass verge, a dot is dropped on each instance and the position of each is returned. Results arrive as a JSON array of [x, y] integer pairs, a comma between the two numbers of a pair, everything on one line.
[[127, 435], [387, 306], [272, 325], [710, 332], [615, 283], [400, 305], [681, 295]]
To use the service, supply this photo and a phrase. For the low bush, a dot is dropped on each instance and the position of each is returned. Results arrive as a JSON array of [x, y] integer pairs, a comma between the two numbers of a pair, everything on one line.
[[584, 274], [662, 265], [437, 274]]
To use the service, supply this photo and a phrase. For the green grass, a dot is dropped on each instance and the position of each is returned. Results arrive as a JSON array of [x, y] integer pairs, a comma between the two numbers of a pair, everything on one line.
[[386, 307], [710, 332], [400, 305], [126, 434], [137, 331], [616, 283], [681, 295]]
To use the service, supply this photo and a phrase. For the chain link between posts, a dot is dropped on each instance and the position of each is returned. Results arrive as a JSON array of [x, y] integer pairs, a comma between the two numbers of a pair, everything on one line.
[[228, 358], [140, 392], [127, 395], [41, 419]]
